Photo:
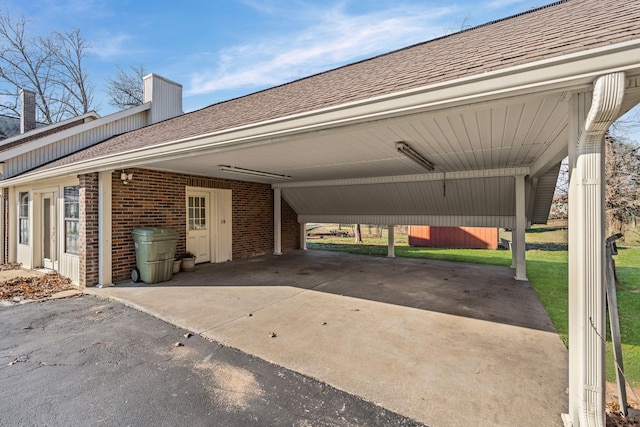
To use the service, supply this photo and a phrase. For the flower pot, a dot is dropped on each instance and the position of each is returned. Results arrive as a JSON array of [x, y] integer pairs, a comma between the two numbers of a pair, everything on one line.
[[176, 265], [188, 264]]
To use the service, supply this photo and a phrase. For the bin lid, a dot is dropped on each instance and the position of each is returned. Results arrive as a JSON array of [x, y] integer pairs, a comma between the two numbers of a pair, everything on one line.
[[154, 231]]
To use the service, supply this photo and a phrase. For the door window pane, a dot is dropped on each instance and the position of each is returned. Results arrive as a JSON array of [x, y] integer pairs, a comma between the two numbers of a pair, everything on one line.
[[197, 213]]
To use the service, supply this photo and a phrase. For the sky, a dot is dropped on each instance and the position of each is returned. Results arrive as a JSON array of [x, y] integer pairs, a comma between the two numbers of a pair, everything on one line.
[[222, 49]]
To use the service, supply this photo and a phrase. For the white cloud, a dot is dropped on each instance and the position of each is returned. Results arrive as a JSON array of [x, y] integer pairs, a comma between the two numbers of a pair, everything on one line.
[[498, 4], [110, 46], [334, 38]]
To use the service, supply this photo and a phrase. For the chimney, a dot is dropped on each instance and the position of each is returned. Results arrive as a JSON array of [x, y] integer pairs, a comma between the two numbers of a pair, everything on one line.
[[165, 97], [27, 110]]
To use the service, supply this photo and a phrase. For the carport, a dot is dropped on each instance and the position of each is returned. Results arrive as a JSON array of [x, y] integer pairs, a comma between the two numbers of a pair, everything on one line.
[[447, 344], [465, 130]]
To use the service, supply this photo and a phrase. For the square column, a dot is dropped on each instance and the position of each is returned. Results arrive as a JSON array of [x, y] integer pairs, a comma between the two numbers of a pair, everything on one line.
[[105, 232], [277, 221], [391, 241], [587, 327], [303, 236], [518, 235]]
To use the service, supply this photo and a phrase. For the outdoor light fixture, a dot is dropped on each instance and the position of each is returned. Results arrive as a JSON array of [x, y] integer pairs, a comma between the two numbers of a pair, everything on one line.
[[406, 149], [251, 172], [126, 177]]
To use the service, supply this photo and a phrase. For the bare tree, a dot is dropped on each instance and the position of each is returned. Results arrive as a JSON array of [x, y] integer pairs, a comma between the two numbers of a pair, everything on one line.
[[622, 189], [125, 88], [50, 65], [622, 184]]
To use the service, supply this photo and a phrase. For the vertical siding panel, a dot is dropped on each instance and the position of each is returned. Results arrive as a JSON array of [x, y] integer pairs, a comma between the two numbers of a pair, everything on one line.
[[72, 144]]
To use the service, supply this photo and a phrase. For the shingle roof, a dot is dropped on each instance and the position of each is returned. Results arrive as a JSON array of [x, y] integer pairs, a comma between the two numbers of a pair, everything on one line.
[[557, 29]]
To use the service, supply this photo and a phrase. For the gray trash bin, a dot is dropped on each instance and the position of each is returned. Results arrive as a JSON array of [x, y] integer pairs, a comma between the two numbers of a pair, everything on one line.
[[155, 252]]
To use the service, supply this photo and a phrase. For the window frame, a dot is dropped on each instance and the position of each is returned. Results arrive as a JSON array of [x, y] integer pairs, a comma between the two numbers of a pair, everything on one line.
[[23, 218], [71, 219]]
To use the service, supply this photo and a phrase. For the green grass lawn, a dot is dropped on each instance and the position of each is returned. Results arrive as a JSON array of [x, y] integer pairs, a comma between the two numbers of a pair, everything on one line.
[[547, 272]]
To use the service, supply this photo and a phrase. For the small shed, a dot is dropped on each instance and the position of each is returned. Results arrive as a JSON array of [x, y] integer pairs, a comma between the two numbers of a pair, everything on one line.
[[454, 237]]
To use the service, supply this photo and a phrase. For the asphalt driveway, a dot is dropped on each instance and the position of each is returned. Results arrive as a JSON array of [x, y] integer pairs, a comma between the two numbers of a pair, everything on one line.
[[86, 361]]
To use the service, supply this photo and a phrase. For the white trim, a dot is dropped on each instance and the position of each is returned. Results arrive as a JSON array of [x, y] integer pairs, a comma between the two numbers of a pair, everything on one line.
[[555, 73]]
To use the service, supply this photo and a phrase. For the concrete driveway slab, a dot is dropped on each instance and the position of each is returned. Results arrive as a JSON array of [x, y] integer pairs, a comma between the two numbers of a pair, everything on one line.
[[447, 344]]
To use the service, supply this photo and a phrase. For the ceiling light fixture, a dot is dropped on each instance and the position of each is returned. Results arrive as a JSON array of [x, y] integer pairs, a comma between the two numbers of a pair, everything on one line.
[[406, 149], [251, 172]]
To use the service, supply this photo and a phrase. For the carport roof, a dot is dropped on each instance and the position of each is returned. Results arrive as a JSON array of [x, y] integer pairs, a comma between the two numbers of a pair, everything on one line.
[[554, 30]]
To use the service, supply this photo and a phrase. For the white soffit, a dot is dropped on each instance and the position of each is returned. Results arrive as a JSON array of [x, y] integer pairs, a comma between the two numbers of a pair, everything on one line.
[[511, 133]]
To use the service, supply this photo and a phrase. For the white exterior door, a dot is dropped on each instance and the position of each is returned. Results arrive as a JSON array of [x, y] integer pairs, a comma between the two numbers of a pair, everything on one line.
[[49, 231], [198, 225]]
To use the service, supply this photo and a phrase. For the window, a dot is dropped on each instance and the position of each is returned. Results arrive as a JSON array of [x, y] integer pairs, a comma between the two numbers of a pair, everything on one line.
[[23, 218], [197, 213], [71, 219]]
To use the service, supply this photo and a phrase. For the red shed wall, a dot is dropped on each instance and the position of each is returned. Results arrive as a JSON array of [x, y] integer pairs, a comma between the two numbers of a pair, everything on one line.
[[453, 237]]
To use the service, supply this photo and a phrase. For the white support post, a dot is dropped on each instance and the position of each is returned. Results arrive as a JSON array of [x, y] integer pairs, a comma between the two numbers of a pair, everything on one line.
[[277, 221], [13, 226], [519, 231], [514, 245], [303, 236], [104, 229], [391, 241], [2, 233], [587, 249]]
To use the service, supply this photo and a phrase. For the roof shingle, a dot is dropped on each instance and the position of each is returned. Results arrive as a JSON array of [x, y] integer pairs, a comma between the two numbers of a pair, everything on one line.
[[557, 29]]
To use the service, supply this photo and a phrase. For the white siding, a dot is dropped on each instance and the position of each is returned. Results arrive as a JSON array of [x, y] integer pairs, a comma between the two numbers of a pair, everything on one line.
[[165, 97], [485, 197], [69, 266], [72, 144]]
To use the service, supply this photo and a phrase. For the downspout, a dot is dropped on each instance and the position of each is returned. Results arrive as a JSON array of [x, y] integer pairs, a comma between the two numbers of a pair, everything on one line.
[[586, 255]]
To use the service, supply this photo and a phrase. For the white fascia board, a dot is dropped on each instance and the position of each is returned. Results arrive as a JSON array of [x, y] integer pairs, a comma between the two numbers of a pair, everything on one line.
[[43, 142], [557, 73], [485, 173], [87, 115]]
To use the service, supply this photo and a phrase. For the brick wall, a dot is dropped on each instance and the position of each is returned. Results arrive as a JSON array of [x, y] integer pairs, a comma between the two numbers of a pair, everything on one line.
[[290, 234], [88, 230], [157, 199]]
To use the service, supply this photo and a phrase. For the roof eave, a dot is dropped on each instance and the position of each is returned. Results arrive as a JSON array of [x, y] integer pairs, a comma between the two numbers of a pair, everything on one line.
[[553, 74]]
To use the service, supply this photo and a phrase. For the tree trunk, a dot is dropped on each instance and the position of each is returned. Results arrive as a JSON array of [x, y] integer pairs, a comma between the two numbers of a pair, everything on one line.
[[357, 233]]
